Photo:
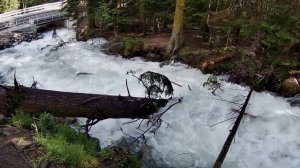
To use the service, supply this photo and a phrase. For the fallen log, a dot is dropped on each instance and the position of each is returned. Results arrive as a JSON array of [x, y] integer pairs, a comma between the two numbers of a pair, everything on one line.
[[66, 104]]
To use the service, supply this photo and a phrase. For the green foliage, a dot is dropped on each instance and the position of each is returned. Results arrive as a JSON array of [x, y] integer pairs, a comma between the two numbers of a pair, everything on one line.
[[107, 153], [47, 124], [227, 66], [152, 8], [72, 154], [21, 119], [130, 44], [195, 13], [134, 162], [280, 25], [249, 30], [8, 5], [71, 8], [104, 14], [64, 144], [183, 53]]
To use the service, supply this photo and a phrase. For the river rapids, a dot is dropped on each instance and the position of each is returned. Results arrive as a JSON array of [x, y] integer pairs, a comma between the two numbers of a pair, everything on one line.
[[190, 135]]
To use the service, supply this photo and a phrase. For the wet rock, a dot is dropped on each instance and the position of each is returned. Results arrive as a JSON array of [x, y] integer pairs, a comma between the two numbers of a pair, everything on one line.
[[23, 143], [295, 101], [154, 57], [10, 39], [116, 48], [290, 87], [5, 41]]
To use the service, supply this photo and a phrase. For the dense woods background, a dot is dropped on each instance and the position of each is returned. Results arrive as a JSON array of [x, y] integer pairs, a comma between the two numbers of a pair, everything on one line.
[[211, 31]]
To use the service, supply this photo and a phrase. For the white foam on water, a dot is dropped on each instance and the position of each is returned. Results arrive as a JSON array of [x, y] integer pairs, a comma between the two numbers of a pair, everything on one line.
[[272, 139]]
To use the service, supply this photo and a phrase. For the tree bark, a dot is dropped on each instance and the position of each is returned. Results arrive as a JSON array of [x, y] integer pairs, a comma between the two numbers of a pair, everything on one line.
[[176, 40], [65, 104]]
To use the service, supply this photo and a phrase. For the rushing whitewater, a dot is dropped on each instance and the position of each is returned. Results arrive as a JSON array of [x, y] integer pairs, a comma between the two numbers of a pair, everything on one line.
[[187, 137]]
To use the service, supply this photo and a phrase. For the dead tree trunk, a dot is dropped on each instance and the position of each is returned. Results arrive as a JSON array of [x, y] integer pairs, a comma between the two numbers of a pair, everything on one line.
[[65, 104], [231, 135]]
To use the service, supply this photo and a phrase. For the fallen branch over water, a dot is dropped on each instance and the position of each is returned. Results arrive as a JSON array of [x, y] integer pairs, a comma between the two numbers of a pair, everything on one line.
[[231, 135]]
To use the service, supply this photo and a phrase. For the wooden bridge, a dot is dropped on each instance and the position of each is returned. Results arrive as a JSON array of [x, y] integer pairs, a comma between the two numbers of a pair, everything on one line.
[[29, 18]]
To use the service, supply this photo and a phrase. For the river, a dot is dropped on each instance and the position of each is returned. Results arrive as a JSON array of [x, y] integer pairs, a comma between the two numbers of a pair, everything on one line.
[[186, 137]]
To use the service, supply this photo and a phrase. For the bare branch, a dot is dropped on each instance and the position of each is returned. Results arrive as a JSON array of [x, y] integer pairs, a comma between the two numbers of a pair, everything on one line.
[[127, 89], [157, 120]]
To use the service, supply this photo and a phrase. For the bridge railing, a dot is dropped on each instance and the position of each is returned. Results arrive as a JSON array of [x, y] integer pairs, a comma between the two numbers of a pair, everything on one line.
[[49, 6], [33, 19], [40, 14]]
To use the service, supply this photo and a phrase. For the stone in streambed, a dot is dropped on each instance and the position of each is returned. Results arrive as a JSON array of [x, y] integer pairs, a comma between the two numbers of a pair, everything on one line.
[[290, 87]]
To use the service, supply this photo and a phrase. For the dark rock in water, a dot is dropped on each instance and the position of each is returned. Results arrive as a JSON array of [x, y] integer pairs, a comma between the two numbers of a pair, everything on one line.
[[5, 41], [295, 101], [155, 57], [116, 48], [83, 74], [10, 39]]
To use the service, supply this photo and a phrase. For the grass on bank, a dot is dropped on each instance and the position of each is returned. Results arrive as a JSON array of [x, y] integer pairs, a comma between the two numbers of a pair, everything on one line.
[[69, 147], [63, 144], [22, 120]]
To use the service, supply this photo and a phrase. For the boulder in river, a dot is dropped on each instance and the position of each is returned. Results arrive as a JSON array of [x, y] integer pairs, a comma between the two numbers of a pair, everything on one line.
[[116, 48], [10, 39], [290, 87], [5, 40]]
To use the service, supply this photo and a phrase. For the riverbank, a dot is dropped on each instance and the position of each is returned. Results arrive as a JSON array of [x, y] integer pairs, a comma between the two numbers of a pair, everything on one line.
[[50, 142], [245, 63]]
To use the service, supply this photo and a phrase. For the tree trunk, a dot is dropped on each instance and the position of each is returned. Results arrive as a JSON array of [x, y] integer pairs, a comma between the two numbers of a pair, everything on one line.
[[176, 40], [65, 104]]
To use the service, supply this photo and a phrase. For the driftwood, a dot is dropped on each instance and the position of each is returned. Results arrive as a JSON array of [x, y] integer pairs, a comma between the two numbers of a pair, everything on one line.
[[231, 135], [204, 65], [65, 104]]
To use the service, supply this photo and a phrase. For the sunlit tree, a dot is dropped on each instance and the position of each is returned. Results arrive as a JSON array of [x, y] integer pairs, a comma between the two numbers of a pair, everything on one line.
[[176, 40], [8, 5]]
